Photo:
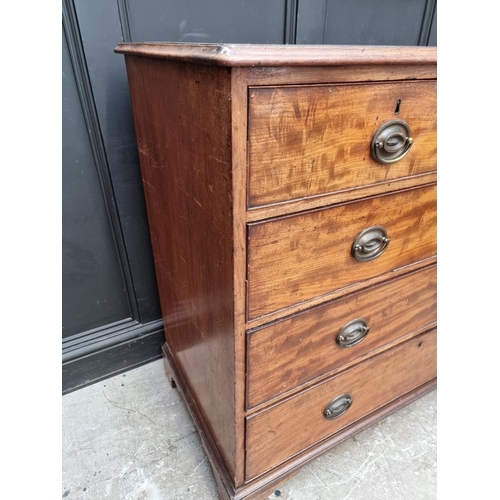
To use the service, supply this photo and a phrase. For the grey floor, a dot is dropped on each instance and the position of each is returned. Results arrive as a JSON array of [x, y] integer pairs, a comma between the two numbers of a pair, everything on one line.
[[131, 438]]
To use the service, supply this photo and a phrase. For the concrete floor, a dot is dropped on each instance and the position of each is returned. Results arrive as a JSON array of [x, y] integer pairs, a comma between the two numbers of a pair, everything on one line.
[[131, 438]]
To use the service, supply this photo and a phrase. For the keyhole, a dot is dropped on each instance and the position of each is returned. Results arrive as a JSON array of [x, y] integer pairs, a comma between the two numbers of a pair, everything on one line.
[[398, 104]]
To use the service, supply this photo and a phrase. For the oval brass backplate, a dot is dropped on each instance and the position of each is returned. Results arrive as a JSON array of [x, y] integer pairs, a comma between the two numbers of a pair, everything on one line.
[[338, 407], [353, 333], [391, 142], [370, 244]]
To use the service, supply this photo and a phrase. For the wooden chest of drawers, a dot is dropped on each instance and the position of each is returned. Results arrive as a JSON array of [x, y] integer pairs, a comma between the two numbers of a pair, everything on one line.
[[291, 193]]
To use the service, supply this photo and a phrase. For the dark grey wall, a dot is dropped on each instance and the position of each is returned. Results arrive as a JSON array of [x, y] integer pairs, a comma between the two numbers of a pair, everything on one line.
[[365, 22], [257, 21], [93, 284], [111, 312]]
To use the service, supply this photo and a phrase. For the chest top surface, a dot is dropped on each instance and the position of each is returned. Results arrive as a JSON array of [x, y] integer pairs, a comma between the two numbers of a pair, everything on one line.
[[248, 55]]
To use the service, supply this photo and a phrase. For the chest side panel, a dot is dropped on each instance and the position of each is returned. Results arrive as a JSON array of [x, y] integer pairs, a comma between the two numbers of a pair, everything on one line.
[[182, 118]]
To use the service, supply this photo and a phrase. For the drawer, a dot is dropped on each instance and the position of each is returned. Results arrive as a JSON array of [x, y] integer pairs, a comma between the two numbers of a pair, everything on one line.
[[286, 429], [295, 258], [316, 139], [289, 353]]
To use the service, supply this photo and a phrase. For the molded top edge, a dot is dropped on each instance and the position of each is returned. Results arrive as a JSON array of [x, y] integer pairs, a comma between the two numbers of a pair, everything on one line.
[[280, 55]]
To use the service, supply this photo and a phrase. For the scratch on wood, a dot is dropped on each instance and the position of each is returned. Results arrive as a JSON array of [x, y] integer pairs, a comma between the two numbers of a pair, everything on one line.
[[193, 122], [217, 159], [149, 184]]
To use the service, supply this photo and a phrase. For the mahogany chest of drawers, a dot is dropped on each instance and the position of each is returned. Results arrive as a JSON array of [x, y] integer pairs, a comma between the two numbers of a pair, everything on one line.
[[291, 194]]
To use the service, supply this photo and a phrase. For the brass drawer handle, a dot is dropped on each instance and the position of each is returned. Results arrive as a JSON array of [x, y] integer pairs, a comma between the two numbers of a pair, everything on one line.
[[338, 407], [370, 244], [391, 142], [353, 333]]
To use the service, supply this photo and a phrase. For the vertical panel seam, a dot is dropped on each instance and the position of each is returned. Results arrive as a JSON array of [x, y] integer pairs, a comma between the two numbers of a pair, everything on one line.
[[84, 89], [123, 13], [325, 17], [425, 28], [291, 14]]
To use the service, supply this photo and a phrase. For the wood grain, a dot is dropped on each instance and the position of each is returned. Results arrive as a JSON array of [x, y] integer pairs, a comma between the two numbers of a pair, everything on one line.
[[286, 354], [284, 430], [236, 55], [182, 116], [313, 452], [339, 292], [303, 75], [295, 258], [225, 272], [239, 96], [310, 140], [323, 200]]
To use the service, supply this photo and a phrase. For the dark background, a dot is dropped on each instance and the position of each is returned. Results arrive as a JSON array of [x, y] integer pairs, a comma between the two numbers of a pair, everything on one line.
[[111, 312]]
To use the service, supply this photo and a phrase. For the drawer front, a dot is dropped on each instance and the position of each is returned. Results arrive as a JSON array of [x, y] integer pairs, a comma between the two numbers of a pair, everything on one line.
[[284, 430], [288, 353], [310, 140], [299, 257]]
